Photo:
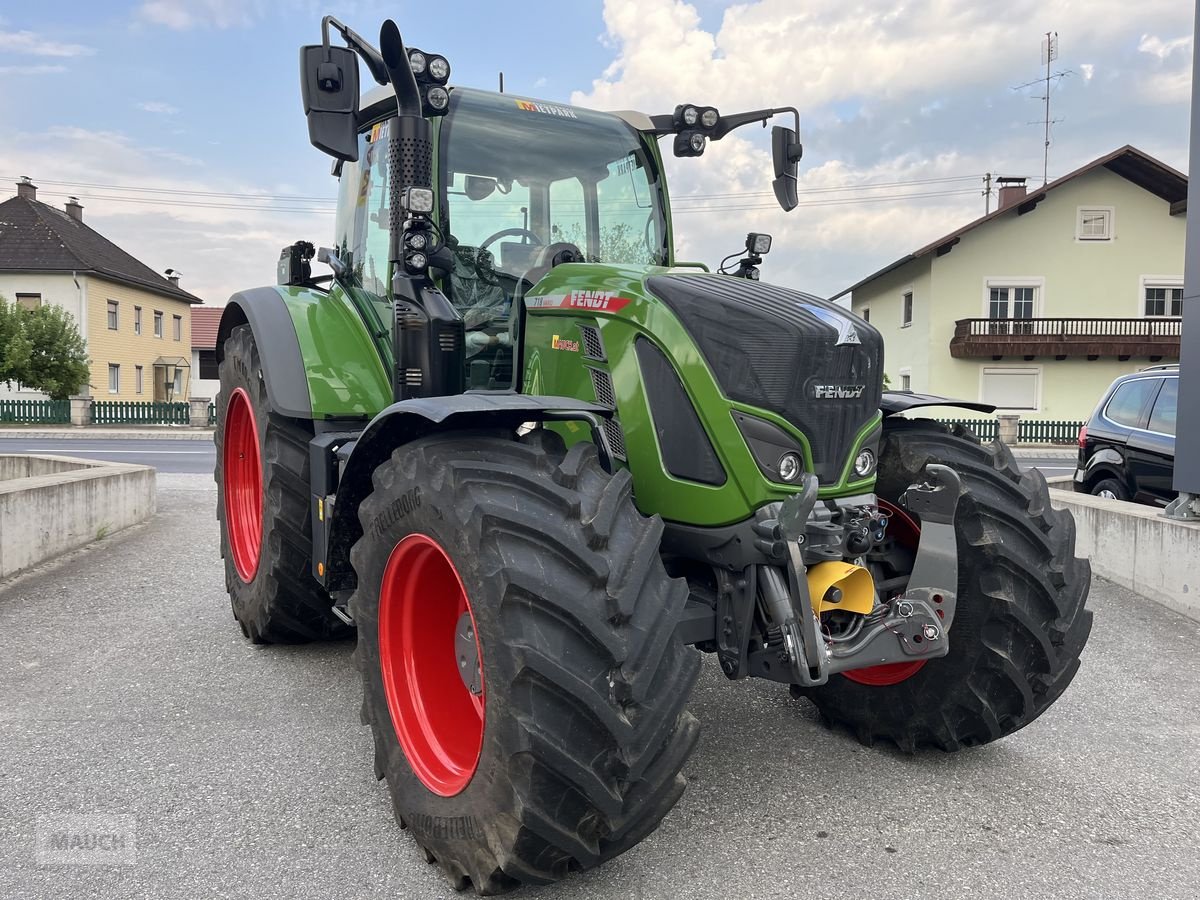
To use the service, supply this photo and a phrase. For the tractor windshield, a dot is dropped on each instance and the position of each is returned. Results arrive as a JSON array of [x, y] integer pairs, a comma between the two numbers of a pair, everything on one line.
[[518, 174]]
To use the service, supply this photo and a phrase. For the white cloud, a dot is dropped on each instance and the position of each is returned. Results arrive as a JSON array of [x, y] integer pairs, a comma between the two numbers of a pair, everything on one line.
[[33, 44], [172, 230], [158, 107], [32, 70], [1156, 46], [888, 93], [182, 15]]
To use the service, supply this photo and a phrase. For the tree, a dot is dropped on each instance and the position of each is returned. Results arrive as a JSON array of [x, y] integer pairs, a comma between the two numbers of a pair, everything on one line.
[[42, 349]]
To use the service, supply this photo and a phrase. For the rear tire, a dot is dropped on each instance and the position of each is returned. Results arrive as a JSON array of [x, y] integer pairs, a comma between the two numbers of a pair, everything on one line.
[[583, 732], [1111, 489], [272, 592], [1020, 623]]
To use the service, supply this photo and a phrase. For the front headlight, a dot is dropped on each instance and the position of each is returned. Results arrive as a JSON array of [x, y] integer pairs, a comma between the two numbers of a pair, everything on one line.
[[864, 463]]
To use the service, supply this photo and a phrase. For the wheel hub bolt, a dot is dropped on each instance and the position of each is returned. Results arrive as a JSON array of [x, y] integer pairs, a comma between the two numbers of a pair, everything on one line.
[[931, 633]]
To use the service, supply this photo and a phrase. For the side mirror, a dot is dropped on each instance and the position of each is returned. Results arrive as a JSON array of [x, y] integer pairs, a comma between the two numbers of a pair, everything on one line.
[[479, 187], [786, 151], [329, 86]]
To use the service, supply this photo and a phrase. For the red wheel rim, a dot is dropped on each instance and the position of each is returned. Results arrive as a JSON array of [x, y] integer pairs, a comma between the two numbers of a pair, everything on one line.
[[438, 719], [908, 533], [242, 463]]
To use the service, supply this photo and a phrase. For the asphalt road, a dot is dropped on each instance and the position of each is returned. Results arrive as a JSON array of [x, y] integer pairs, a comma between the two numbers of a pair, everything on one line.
[[129, 691], [197, 456], [166, 455]]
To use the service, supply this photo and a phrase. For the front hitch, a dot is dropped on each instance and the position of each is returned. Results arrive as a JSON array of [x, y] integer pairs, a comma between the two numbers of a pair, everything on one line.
[[913, 625]]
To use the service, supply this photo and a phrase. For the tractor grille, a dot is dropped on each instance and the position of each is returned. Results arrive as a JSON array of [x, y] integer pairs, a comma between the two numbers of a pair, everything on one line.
[[606, 396], [779, 350], [603, 386], [593, 347]]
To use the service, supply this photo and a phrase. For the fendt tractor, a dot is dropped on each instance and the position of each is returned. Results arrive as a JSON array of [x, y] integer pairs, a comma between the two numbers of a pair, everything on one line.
[[537, 463]]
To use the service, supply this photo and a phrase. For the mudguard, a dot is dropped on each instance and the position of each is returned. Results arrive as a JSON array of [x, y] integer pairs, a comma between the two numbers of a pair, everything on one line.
[[409, 420], [318, 358], [901, 401], [278, 347]]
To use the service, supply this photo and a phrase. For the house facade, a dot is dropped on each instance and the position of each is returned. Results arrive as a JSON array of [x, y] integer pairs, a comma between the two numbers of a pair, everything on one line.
[[135, 322], [205, 380], [1038, 306]]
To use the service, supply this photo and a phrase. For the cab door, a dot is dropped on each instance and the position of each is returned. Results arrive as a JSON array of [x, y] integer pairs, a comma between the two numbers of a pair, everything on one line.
[[1151, 449]]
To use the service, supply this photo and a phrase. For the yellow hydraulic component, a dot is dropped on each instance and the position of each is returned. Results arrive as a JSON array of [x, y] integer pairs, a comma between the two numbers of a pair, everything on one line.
[[840, 585]]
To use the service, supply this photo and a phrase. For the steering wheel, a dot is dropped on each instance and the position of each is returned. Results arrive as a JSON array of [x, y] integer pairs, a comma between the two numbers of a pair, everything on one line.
[[511, 232]]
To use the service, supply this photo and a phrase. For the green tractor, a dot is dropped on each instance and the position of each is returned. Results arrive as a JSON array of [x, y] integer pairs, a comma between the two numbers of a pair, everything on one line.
[[537, 464]]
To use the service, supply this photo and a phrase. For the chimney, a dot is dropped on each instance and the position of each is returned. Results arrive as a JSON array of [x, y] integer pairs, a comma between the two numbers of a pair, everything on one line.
[[173, 276], [1012, 190], [26, 188], [74, 209]]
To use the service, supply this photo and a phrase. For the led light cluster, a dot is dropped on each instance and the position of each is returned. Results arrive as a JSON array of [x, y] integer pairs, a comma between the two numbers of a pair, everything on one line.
[[432, 73], [694, 125]]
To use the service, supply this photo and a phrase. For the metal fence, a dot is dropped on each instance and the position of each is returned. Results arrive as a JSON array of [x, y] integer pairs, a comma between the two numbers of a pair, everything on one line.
[[1035, 432], [36, 412], [123, 412], [212, 414]]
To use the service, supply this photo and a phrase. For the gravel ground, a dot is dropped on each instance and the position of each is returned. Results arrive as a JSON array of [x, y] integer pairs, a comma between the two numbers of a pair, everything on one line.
[[241, 771]]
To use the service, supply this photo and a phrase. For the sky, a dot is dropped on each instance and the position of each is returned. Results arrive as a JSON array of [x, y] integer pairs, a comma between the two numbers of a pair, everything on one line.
[[178, 123]]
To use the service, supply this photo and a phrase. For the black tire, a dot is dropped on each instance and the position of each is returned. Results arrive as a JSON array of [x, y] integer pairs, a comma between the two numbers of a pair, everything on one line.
[[282, 603], [1020, 622], [1110, 484], [586, 730]]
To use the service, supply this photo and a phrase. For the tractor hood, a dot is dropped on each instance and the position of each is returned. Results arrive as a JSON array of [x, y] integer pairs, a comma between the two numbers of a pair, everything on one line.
[[806, 359]]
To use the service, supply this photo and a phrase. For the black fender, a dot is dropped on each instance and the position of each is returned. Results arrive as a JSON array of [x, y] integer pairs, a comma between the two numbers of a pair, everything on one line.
[[278, 347], [1106, 462], [894, 402], [408, 420]]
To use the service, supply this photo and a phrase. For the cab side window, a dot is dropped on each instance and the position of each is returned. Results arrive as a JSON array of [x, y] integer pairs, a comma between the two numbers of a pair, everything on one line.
[[1162, 419]]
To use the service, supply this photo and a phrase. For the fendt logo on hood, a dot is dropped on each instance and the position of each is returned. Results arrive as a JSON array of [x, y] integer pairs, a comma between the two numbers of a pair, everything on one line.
[[836, 391]]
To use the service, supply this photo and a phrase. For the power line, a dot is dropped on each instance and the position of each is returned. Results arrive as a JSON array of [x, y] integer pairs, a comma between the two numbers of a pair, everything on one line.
[[831, 190], [145, 190], [843, 201], [186, 204]]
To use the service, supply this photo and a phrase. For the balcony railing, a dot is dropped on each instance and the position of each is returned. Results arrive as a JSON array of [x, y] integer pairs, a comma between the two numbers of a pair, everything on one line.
[[1153, 338]]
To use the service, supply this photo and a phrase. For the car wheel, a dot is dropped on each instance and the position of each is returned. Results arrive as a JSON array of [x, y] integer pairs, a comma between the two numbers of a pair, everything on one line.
[[1110, 489]]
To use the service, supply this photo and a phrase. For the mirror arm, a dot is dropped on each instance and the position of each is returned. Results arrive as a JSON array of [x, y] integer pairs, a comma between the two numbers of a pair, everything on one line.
[[359, 45], [737, 120]]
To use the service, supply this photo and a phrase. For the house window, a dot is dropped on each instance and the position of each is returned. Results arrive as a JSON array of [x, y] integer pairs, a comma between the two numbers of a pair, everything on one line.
[[29, 301], [1006, 303], [1010, 387], [1094, 223], [114, 378], [158, 323], [137, 321], [866, 314], [112, 315], [177, 327], [137, 378], [905, 381], [906, 309], [208, 364], [1163, 299], [177, 387]]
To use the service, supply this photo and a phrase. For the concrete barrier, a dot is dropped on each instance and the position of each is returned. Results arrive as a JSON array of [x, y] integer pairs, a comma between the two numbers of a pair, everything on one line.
[[1137, 547], [52, 504]]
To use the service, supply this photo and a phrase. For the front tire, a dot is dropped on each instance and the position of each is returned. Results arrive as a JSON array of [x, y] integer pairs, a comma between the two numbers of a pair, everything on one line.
[[1020, 623], [528, 570], [263, 508]]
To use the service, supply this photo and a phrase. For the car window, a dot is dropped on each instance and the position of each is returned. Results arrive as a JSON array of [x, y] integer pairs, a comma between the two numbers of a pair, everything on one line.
[[1128, 401], [1163, 417]]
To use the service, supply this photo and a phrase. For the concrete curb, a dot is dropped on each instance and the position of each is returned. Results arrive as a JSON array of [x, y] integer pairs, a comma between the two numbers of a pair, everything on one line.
[[92, 433], [52, 504], [1027, 452], [1137, 547]]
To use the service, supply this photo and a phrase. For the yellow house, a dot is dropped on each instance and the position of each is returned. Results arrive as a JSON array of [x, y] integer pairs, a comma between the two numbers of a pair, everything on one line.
[[1038, 306], [137, 323]]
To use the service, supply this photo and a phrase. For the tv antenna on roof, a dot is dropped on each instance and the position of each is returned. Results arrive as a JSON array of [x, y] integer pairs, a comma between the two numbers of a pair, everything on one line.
[[1049, 55]]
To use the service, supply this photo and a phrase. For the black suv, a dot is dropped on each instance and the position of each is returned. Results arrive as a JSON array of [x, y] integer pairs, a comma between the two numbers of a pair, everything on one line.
[[1127, 447]]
